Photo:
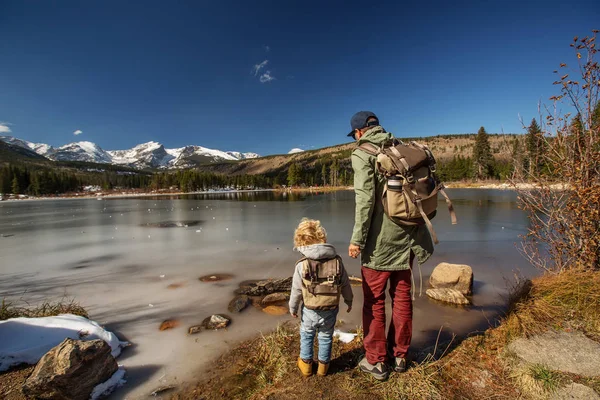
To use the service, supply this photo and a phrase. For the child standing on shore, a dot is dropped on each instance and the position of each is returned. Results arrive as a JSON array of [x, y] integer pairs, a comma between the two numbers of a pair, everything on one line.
[[319, 279]]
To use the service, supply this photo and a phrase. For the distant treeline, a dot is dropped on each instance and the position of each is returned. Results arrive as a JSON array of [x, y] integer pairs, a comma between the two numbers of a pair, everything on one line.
[[315, 170]]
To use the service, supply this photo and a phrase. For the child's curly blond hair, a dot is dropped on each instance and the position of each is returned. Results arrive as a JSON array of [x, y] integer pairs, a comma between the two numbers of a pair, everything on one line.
[[308, 232]]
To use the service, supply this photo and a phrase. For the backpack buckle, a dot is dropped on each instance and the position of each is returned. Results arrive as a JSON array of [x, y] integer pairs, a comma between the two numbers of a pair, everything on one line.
[[410, 178], [331, 279]]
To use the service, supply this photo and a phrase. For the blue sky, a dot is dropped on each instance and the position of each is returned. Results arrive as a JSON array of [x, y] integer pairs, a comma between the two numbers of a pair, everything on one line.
[[125, 72]]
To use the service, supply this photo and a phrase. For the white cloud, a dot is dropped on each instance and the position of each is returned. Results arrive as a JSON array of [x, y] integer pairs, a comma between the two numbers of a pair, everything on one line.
[[266, 77], [256, 69], [4, 128], [78, 132]]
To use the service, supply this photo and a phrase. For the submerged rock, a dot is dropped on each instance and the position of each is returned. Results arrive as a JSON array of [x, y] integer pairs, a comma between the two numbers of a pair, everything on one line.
[[216, 321], [448, 296], [275, 310], [355, 280], [239, 303], [275, 299], [215, 277], [452, 276], [168, 324], [71, 370], [265, 287]]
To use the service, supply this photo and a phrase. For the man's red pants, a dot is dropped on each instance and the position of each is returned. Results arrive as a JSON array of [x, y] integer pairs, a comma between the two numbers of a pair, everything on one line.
[[400, 333]]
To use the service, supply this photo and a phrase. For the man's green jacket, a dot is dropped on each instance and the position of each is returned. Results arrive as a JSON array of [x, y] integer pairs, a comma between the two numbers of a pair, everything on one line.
[[384, 244]]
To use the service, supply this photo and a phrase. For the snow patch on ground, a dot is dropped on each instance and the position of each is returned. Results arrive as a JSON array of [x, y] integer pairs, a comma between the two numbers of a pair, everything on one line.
[[344, 337], [106, 388], [26, 340]]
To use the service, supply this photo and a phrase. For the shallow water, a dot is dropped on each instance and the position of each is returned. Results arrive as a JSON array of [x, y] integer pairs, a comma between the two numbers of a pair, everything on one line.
[[118, 258]]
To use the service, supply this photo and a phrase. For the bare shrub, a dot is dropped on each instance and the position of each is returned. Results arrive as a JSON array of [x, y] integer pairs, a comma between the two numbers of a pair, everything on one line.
[[561, 193]]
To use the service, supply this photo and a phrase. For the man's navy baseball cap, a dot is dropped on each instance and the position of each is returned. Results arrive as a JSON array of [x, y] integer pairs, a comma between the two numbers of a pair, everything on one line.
[[359, 121]]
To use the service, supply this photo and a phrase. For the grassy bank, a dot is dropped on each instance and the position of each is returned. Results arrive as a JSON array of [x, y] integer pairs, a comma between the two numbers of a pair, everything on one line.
[[473, 368]]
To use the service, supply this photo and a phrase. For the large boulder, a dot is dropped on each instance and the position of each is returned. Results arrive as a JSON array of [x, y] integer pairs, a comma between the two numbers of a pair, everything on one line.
[[265, 287], [71, 370], [452, 276], [448, 296], [572, 352]]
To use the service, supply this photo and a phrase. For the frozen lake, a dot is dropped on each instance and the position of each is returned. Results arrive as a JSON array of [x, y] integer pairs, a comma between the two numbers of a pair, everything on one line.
[[104, 255]]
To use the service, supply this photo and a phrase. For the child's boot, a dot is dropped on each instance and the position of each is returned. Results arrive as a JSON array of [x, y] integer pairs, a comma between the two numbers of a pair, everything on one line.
[[323, 368], [305, 367]]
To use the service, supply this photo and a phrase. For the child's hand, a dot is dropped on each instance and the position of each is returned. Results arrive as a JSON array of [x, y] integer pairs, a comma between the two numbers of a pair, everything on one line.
[[293, 315], [349, 309]]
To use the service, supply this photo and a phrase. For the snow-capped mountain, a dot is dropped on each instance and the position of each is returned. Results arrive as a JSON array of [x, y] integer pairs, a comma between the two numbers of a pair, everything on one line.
[[151, 154], [40, 148], [145, 155], [80, 151], [294, 151], [242, 156]]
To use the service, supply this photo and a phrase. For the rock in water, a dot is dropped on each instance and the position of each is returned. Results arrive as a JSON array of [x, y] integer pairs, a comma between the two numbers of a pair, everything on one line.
[[274, 299], [216, 321], [265, 287], [168, 324], [275, 310], [71, 370], [448, 296], [452, 276], [239, 303]]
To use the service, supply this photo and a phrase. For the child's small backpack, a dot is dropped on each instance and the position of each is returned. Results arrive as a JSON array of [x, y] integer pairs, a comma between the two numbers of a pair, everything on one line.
[[321, 280], [411, 188]]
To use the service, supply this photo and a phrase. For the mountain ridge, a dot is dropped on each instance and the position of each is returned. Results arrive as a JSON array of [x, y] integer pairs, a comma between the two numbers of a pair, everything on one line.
[[145, 155]]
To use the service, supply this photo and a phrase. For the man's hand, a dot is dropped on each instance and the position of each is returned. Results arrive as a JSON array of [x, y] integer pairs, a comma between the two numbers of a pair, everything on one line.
[[353, 250], [293, 315]]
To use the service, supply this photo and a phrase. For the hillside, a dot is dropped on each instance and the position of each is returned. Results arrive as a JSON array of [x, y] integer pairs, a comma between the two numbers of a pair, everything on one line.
[[444, 147]]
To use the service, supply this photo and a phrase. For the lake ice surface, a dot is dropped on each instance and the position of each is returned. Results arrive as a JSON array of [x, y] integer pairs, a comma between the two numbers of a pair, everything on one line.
[[109, 256]]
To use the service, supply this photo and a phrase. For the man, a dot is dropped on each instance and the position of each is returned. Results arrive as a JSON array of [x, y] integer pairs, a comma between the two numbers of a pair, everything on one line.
[[387, 251]]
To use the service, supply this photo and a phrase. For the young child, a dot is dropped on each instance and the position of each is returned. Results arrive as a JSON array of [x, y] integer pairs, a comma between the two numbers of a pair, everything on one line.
[[319, 279]]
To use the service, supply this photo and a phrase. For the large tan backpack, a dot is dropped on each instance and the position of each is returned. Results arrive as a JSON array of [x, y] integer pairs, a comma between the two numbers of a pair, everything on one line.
[[411, 187]]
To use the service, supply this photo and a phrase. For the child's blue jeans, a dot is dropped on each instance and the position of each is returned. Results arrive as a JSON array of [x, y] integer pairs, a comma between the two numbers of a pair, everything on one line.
[[313, 322]]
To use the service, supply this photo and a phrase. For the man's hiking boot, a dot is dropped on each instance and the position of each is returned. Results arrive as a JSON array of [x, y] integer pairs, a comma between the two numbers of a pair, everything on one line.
[[399, 364], [379, 371], [323, 368], [305, 367]]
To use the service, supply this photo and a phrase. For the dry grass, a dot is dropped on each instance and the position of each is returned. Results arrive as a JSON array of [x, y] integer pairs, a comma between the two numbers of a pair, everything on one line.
[[476, 368], [7, 310]]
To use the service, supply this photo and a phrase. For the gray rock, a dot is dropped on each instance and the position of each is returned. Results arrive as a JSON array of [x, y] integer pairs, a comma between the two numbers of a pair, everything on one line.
[[575, 391], [71, 370], [448, 296], [274, 298], [265, 287], [239, 303], [216, 321], [560, 351], [452, 276]]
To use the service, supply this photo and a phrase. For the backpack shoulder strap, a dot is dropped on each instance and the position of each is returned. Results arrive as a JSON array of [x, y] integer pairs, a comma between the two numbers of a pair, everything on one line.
[[369, 148]]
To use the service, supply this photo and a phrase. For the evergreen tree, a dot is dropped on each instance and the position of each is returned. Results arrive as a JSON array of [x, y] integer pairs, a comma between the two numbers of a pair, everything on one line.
[[482, 154], [324, 174], [15, 186], [293, 175], [535, 142]]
